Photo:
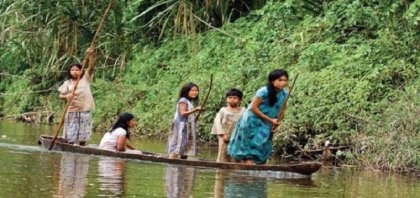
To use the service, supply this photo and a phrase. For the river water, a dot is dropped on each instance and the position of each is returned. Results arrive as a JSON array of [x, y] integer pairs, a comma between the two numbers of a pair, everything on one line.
[[27, 170]]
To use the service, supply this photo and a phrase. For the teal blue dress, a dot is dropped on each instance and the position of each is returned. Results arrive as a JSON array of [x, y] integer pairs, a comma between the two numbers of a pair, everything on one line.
[[251, 138]]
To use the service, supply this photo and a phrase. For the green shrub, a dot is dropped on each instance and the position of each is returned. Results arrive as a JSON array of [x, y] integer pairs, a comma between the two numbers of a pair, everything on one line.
[[358, 61]]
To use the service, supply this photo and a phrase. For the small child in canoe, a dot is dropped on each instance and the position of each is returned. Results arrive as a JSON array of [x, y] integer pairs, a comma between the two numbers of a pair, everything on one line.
[[117, 138], [226, 120]]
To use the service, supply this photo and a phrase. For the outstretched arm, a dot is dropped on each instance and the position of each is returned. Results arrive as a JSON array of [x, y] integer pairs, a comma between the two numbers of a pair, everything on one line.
[[183, 109], [91, 55], [129, 145]]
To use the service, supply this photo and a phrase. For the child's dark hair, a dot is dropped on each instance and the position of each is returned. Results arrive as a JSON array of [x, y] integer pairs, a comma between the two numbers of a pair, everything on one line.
[[235, 92], [272, 94], [74, 65], [186, 89], [122, 122]]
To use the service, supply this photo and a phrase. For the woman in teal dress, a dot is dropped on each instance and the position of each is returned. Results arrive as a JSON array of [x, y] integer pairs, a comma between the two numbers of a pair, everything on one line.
[[251, 138]]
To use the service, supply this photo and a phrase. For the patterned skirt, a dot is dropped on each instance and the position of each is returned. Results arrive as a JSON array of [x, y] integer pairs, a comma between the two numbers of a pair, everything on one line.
[[78, 126], [251, 139], [182, 139]]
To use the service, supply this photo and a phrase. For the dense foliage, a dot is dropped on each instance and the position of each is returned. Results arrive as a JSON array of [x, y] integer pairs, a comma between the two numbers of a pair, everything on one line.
[[358, 63]]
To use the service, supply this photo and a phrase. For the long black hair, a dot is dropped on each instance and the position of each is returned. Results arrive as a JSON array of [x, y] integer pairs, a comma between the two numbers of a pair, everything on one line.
[[186, 89], [272, 94], [122, 122], [71, 66]]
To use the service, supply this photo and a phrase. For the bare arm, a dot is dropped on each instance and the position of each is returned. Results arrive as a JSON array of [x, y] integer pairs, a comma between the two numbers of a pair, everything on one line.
[[226, 138], [254, 108], [279, 119], [66, 96], [121, 143], [91, 53], [129, 145], [183, 109], [63, 96], [217, 127]]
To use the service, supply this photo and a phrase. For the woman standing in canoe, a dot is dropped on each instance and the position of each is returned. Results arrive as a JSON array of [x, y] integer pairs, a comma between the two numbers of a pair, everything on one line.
[[251, 138], [78, 121]]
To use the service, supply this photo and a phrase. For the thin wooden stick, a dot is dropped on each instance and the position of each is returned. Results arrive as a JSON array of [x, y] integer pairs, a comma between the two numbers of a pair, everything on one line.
[[207, 97], [280, 116], [283, 107], [92, 44]]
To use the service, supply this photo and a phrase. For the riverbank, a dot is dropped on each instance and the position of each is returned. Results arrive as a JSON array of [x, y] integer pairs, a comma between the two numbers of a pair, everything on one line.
[[358, 86]]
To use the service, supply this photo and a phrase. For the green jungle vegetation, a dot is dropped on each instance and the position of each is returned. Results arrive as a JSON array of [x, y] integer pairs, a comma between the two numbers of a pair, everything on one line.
[[358, 62]]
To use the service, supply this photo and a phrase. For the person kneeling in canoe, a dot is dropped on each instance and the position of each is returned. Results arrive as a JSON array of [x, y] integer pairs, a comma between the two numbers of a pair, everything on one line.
[[117, 138]]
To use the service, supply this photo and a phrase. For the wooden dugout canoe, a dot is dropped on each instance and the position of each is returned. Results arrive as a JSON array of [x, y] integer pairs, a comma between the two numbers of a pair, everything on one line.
[[307, 168]]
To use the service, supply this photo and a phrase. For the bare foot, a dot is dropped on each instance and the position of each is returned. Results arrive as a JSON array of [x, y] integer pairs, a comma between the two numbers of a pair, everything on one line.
[[172, 156], [249, 162]]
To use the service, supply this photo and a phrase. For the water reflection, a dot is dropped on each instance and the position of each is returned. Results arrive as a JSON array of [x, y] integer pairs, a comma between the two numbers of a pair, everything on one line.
[[111, 176], [219, 183], [228, 184], [179, 181], [305, 182], [234, 183], [26, 169], [73, 175]]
